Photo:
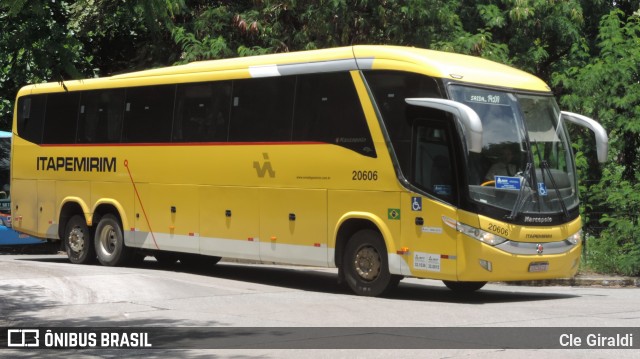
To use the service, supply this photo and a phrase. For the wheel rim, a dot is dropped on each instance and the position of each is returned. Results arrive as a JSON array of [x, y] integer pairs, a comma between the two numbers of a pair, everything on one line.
[[367, 263], [76, 239], [108, 240]]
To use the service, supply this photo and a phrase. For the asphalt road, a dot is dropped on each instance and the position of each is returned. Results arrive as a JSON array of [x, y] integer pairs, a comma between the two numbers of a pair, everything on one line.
[[48, 291]]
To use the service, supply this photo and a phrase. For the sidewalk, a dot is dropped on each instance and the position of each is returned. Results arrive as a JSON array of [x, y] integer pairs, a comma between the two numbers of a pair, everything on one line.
[[585, 280]]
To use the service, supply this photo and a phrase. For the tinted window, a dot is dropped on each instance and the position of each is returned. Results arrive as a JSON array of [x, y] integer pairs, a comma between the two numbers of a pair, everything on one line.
[[432, 159], [61, 118], [101, 115], [262, 109], [202, 112], [390, 89], [148, 114], [30, 117], [328, 110], [5, 167]]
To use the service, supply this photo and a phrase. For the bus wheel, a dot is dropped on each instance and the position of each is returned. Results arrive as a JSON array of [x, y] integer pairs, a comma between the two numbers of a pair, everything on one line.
[[78, 241], [366, 265], [463, 287], [109, 242]]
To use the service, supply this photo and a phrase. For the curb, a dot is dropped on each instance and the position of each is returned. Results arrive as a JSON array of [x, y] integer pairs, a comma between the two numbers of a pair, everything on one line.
[[582, 281]]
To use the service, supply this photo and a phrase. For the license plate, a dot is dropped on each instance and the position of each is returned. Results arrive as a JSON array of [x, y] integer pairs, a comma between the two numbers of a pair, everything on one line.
[[538, 266]]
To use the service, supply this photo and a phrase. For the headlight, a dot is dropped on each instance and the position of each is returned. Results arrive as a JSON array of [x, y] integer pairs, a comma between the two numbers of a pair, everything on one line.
[[479, 234], [476, 233], [576, 237]]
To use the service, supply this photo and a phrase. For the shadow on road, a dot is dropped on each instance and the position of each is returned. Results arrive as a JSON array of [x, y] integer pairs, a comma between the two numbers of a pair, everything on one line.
[[309, 279]]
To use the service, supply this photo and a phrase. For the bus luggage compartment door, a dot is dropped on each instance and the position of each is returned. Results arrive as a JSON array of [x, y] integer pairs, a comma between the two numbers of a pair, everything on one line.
[[293, 226]]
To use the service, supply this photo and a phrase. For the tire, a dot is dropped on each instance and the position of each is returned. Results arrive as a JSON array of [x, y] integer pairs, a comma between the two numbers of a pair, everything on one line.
[[78, 241], [109, 242], [464, 287], [366, 265]]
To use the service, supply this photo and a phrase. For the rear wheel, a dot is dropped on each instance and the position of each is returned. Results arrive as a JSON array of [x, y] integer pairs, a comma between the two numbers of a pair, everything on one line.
[[109, 242], [464, 287], [366, 265], [79, 241]]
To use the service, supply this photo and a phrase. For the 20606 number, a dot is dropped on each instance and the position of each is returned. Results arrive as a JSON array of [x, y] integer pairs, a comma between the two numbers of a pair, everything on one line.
[[364, 175], [498, 230]]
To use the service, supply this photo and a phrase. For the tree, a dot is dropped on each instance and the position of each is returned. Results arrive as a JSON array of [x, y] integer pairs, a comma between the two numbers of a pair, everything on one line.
[[536, 34], [35, 45], [43, 40], [241, 28], [125, 36], [607, 88]]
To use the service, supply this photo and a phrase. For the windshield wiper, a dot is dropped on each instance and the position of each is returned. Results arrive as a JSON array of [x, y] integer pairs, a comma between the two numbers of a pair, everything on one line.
[[521, 198], [544, 165]]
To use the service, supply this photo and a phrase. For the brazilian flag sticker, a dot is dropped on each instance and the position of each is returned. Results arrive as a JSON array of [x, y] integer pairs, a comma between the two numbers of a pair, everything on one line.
[[393, 213]]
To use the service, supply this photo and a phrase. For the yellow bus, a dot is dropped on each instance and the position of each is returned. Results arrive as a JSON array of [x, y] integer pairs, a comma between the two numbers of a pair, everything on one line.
[[385, 162]]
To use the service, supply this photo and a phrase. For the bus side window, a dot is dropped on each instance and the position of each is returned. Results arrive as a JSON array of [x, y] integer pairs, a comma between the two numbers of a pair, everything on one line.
[[61, 117], [390, 89], [31, 117], [433, 170], [202, 112], [148, 114], [261, 109], [328, 110], [100, 118]]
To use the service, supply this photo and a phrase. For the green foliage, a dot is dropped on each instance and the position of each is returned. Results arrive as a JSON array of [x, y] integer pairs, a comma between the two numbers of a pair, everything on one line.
[[280, 26], [35, 45], [534, 35], [617, 250], [607, 87]]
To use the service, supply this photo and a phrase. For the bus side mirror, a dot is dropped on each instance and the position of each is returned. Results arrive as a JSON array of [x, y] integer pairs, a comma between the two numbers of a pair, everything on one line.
[[602, 140], [467, 117]]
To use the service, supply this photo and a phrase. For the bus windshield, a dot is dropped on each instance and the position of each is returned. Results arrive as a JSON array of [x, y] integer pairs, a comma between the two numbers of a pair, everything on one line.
[[526, 164]]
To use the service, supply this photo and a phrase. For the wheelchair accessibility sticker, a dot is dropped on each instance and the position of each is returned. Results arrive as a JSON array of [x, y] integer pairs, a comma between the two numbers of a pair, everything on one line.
[[416, 203], [542, 189]]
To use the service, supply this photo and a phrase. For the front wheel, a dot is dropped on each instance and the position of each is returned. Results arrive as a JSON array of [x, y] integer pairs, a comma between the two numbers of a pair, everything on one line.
[[366, 265], [78, 241], [109, 242], [464, 287]]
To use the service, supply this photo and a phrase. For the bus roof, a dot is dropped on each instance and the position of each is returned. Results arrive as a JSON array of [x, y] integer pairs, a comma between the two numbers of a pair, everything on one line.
[[461, 68]]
